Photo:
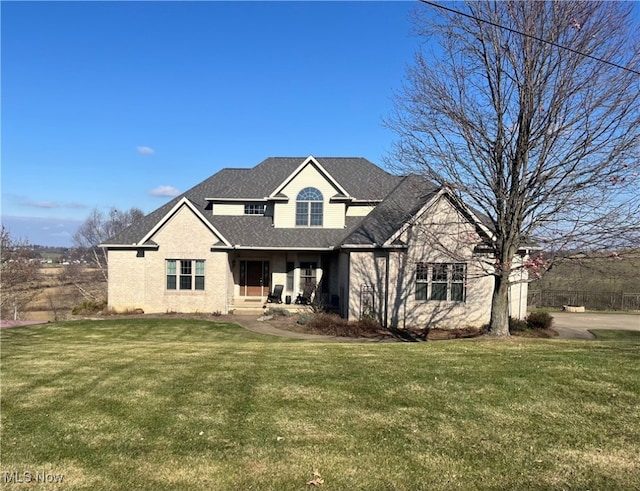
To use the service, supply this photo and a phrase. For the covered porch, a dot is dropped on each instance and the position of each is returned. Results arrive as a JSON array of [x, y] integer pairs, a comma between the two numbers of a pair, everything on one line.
[[311, 275]]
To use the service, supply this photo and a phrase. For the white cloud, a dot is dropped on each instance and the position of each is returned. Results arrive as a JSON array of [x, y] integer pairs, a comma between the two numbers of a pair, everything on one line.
[[43, 204], [164, 191], [47, 204], [145, 150]]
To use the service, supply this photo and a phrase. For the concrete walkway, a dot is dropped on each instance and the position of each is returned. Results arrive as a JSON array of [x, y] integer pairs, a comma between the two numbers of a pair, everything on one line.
[[578, 325], [251, 323], [5, 324]]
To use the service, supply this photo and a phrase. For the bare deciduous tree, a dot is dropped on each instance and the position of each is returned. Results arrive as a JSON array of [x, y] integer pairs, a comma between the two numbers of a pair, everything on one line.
[[529, 112], [18, 271], [99, 227]]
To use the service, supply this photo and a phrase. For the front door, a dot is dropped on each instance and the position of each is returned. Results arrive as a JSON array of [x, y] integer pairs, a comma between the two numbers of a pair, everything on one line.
[[254, 278]]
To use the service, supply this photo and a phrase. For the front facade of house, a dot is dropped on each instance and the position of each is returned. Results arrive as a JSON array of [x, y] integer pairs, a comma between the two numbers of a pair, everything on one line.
[[359, 240]]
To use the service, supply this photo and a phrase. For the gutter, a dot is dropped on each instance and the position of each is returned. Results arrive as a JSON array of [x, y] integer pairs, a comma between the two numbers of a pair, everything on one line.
[[239, 247], [129, 246]]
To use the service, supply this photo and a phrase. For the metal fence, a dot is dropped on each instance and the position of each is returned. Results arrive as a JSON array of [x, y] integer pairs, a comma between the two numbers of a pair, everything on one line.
[[589, 299]]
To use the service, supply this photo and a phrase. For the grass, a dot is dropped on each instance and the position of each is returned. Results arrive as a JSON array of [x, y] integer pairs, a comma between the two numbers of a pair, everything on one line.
[[551, 310], [616, 335], [189, 404]]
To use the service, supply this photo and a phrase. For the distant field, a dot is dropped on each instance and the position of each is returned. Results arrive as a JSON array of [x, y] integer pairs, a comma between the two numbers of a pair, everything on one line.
[[55, 296], [597, 283], [174, 404]]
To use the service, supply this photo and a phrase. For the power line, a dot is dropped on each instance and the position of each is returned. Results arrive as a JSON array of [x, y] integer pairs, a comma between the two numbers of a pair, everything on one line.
[[433, 4]]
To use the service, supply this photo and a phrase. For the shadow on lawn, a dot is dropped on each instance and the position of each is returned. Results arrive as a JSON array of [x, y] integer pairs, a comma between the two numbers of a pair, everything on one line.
[[428, 334]]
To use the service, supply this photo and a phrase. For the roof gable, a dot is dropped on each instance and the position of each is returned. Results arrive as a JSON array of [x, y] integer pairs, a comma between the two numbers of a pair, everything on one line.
[[184, 202], [310, 160]]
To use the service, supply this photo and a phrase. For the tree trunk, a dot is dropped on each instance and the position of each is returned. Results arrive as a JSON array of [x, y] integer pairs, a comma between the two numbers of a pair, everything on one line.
[[499, 324]]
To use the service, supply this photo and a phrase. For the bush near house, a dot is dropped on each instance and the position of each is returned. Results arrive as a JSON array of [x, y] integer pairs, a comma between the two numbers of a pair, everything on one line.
[[537, 324], [517, 324], [539, 320], [334, 325]]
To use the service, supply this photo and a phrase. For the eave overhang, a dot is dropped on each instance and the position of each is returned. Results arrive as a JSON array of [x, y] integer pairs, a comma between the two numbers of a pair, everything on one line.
[[340, 198], [129, 246], [375, 246], [239, 247], [237, 200]]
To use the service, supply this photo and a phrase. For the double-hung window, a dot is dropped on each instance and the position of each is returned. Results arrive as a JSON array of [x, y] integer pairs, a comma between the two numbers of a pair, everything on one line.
[[422, 281], [444, 282], [458, 282], [185, 274], [309, 208], [308, 276]]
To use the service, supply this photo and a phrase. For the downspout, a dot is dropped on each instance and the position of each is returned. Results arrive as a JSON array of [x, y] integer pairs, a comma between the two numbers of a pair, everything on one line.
[[509, 295], [347, 304], [520, 299], [386, 292], [226, 284]]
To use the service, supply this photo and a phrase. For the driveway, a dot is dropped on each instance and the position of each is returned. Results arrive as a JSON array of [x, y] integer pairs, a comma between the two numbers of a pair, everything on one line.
[[571, 325], [5, 323]]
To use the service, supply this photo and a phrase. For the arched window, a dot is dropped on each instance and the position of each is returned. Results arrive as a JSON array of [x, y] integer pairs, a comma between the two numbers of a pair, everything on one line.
[[309, 208]]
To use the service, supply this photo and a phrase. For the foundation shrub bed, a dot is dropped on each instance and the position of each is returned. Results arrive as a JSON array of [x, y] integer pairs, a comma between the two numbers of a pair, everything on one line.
[[539, 320], [334, 325], [460, 333], [517, 324], [438, 334], [537, 325], [278, 312]]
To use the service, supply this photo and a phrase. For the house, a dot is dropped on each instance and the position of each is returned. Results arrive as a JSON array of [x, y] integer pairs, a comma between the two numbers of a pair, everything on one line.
[[369, 243]]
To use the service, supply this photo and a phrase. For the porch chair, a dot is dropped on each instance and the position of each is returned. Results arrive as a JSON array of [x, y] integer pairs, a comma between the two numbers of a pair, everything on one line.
[[304, 297], [276, 296]]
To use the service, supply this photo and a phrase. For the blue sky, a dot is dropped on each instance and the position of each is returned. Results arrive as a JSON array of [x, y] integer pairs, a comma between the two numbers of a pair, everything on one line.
[[124, 104]]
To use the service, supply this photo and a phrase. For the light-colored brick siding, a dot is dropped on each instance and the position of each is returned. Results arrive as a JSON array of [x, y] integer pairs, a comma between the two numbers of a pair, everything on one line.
[[137, 281], [440, 235]]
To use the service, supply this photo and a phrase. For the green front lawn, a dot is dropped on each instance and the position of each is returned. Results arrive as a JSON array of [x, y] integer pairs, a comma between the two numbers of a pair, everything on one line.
[[159, 404], [616, 335]]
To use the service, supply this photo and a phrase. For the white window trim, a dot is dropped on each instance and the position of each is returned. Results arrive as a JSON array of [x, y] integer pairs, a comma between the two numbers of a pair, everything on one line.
[[308, 209], [429, 281], [177, 274]]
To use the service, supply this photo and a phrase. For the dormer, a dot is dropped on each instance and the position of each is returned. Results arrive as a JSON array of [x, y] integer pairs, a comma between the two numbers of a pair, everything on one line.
[[309, 197]]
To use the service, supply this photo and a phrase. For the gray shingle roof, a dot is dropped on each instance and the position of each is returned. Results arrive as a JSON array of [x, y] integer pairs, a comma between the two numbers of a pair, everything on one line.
[[256, 231], [359, 177], [263, 179], [399, 206]]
